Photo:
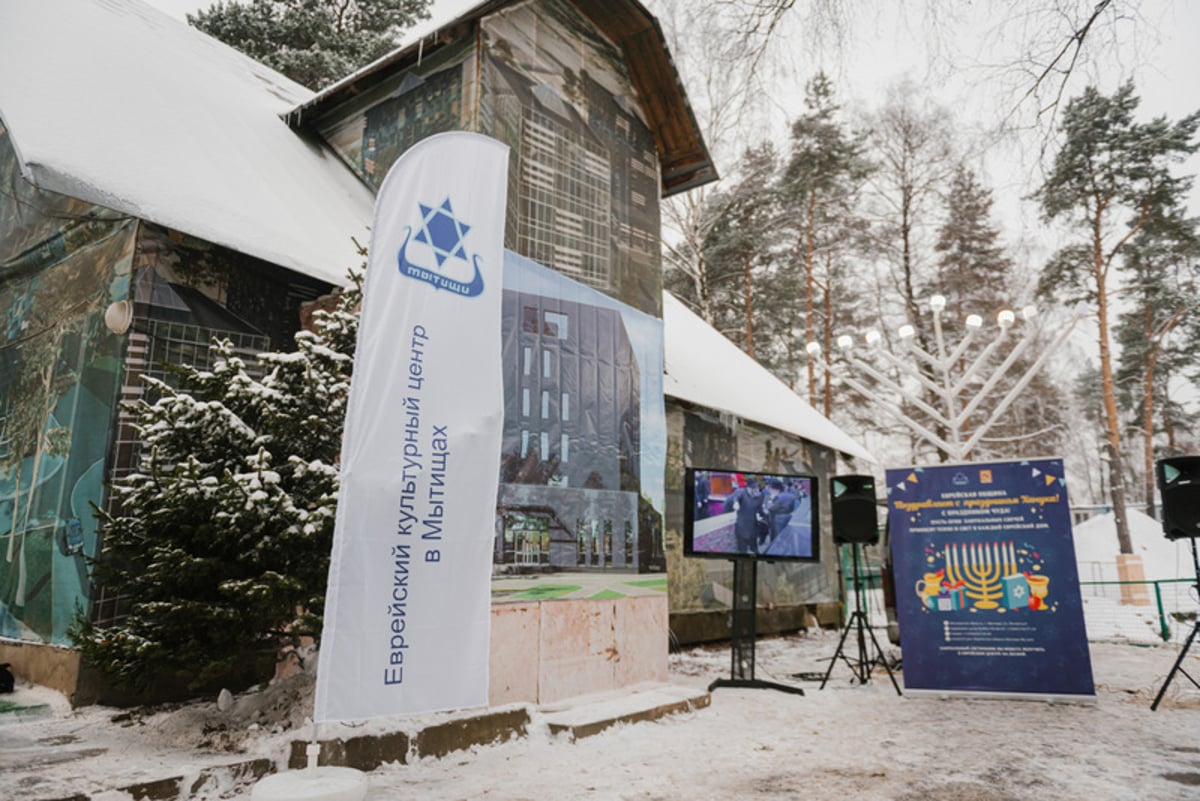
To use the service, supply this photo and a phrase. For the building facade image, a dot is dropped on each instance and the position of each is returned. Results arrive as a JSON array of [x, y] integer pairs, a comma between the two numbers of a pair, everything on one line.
[[569, 470]]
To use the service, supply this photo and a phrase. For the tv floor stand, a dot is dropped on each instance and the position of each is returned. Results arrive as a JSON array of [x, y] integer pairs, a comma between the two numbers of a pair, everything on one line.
[[744, 634]]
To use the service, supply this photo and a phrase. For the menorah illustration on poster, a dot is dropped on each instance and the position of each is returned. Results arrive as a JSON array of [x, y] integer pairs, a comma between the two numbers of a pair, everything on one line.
[[1000, 576], [994, 604]]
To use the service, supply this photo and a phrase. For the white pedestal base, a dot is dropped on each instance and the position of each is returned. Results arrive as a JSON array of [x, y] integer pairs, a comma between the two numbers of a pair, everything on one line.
[[313, 784]]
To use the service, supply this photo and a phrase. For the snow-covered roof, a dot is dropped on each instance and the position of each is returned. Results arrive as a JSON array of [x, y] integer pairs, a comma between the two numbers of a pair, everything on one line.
[[703, 367], [116, 103]]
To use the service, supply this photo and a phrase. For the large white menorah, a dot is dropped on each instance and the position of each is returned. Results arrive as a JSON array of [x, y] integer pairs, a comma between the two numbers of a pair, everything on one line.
[[946, 374], [980, 566]]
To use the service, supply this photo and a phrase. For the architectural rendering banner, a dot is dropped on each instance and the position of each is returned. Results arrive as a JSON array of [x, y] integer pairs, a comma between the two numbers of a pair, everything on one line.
[[987, 589], [407, 615]]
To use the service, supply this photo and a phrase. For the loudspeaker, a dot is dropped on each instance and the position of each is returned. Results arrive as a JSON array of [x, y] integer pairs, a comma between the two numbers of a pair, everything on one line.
[[1179, 488], [853, 509]]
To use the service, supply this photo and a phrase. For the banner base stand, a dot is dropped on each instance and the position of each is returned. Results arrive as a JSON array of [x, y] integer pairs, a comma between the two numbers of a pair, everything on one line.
[[327, 783], [313, 784], [1000, 695]]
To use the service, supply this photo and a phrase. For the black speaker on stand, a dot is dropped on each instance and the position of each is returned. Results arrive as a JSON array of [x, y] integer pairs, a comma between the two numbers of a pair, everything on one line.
[[852, 505], [1179, 488]]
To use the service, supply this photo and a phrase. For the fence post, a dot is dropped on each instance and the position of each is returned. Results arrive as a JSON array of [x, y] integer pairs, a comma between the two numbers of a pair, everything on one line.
[[1162, 617]]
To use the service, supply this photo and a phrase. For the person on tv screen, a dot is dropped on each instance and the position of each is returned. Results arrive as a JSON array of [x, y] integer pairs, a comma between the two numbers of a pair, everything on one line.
[[747, 502], [703, 491], [783, 502]]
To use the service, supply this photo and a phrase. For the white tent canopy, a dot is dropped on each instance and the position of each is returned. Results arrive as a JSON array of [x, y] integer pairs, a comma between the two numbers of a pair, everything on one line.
[[703, 367], [121, 105]]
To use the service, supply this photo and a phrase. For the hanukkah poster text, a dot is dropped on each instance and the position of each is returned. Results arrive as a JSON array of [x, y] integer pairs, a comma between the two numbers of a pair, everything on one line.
[[987, 589]]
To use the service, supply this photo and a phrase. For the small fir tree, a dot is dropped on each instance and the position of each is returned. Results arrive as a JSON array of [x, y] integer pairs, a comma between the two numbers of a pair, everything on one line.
[[313, 42], [221, 544]]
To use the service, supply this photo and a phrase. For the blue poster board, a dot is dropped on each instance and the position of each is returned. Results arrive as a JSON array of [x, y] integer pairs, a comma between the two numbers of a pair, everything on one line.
[[987, 588]]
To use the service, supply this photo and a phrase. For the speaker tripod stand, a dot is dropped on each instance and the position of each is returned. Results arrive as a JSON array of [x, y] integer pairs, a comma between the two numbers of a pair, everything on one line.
[[860, 667], [1178, 668]]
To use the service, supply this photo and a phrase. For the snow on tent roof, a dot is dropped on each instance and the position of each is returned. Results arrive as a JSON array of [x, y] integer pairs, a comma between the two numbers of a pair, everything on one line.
[[703, 367], [116, 103]]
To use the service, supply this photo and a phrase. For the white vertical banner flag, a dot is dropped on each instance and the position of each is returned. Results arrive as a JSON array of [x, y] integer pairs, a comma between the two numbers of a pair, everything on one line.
[[407, 611]]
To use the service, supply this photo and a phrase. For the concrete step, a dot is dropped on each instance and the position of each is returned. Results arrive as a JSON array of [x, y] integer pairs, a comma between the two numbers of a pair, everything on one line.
[[652, 703], [577, 718]]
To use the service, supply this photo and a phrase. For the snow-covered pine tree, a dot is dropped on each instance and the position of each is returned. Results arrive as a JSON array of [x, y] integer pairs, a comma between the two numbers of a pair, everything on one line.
[[220, 545], [313, 42]]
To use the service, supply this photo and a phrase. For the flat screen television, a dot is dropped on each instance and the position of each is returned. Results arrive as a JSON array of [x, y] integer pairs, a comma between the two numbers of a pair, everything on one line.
[[737, 514]]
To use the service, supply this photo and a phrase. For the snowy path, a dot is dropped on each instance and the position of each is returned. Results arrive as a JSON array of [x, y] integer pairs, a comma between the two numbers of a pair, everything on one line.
[[844, 743], [852, 742]]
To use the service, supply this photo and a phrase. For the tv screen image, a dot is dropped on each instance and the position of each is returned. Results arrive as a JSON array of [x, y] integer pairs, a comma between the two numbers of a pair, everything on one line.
[[732, 514]]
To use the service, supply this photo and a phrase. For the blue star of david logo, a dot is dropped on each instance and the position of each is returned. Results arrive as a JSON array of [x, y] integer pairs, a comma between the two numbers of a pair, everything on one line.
[[442, 232]]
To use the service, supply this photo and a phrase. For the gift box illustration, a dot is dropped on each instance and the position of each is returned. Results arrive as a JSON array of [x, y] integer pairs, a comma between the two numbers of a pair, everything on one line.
[[951, 598]]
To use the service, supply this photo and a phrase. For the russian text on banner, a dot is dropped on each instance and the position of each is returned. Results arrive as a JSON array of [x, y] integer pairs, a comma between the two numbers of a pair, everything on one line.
[[407, 615], [987, 587]]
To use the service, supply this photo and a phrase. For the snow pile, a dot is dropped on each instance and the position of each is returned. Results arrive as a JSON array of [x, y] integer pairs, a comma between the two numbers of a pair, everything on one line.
[[1096, 541], [1107, 618]]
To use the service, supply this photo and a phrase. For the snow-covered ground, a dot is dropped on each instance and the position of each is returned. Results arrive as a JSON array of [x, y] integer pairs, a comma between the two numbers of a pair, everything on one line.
[[847, 741], [852, 742], [844, 742]]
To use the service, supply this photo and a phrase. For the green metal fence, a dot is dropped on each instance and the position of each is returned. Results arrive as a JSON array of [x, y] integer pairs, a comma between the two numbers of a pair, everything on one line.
[[1169, 607]]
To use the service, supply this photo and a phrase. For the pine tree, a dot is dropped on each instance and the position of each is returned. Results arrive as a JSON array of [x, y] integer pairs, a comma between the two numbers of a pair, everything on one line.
[[1162, 265], [721, 281], [976, 276], [220, 545], [972, 267], [313, 42], [1107, 178], [822, 183]]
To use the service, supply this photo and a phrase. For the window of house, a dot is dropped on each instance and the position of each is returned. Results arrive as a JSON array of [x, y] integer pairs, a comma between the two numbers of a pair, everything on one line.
[[529, 319], [556, 325]]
